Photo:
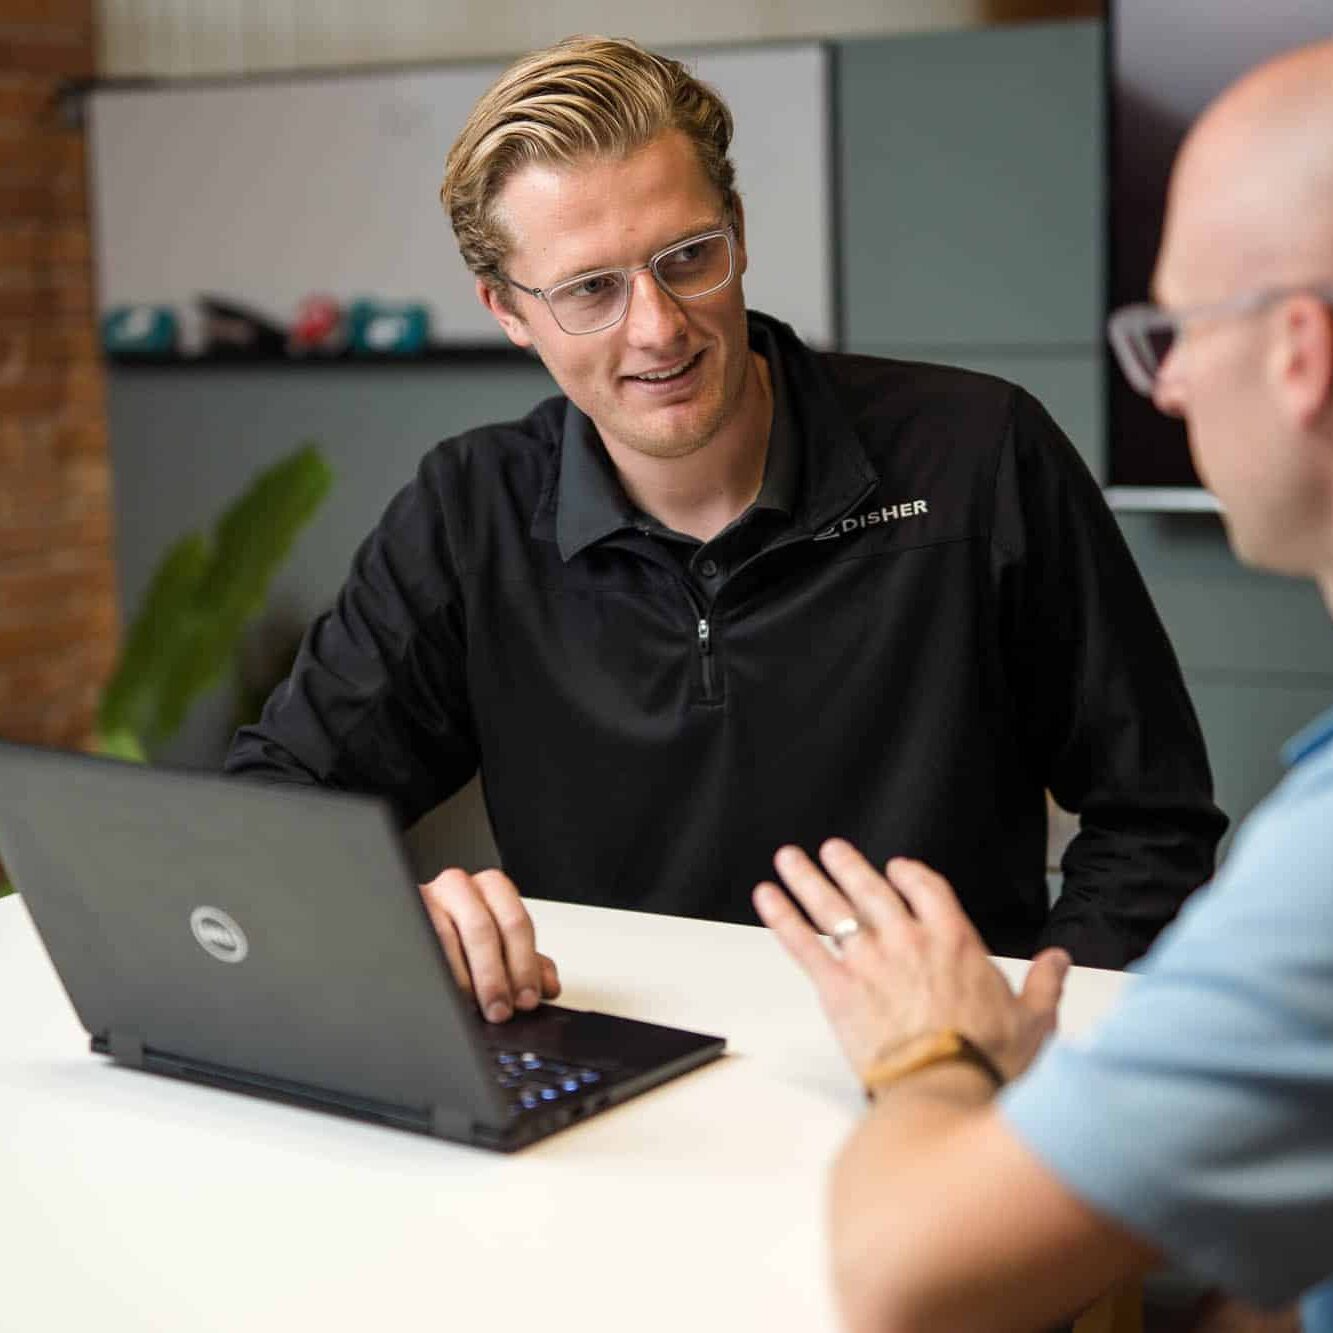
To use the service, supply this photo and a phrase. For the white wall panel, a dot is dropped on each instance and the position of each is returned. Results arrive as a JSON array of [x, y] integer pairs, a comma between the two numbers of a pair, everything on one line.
[[194, 37], [272, 189]]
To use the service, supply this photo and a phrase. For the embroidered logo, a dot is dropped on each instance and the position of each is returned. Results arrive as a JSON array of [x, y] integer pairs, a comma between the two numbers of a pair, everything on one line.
[[874, 517]]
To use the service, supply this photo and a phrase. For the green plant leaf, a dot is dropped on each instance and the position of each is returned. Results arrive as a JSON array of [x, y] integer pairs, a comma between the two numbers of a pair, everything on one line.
[[190, 624], [123, 744], [250, 542], [129, 699]]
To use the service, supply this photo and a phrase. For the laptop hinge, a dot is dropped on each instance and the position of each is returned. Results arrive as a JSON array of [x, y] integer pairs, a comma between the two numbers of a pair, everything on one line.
[[447, 1123], [125, 1048]]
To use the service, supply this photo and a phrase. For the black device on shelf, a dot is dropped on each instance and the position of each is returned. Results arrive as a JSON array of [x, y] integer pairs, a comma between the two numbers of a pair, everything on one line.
[[1166, 61]]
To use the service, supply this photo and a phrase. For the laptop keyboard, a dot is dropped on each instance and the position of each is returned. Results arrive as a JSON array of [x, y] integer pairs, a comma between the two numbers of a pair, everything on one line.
[[530, 1080]]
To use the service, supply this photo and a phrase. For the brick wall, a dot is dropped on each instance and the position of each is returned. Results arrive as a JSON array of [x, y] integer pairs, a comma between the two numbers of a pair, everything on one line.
[[57, 592]]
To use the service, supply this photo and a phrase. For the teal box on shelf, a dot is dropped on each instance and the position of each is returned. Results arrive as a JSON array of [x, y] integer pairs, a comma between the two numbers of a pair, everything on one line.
[[139, 330], [388, 330]]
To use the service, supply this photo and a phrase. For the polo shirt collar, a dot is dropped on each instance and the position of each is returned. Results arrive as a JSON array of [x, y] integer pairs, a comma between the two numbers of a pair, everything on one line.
[[829, 469], [815, 470], [1312, 737], [590, 501], [782, 467]]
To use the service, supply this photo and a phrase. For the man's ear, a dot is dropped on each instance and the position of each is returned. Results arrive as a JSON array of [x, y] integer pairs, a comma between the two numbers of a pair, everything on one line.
[[1306, 359], [493, 298]]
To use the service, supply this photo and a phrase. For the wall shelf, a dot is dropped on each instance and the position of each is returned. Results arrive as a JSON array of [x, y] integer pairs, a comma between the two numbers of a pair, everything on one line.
[[463, 354]]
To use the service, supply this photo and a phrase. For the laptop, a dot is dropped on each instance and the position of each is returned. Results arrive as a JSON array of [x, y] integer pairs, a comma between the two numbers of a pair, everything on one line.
[[272, 940]]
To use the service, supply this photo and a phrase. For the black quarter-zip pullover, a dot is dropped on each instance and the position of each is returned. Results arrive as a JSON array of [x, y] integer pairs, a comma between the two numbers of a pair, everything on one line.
[[927, 618]]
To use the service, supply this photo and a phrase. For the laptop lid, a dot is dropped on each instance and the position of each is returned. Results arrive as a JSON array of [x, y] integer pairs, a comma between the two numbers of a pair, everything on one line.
[[243, 927]]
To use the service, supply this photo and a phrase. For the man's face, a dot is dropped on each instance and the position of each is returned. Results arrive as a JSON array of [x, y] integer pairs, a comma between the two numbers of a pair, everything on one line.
[[1219, 379], [618, 212]]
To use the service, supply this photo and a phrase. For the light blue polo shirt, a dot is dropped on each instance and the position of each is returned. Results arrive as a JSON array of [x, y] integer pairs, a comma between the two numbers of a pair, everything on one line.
[[1199, 1112]]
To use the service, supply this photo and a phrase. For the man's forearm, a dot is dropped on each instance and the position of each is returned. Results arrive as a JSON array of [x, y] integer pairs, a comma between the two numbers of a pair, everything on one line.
[[1132, 864], [908, 1123], [260, 758], [942, 1220]]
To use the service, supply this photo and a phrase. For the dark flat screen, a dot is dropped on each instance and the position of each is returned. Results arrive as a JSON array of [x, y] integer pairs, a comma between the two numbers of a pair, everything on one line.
[[1167, 60]]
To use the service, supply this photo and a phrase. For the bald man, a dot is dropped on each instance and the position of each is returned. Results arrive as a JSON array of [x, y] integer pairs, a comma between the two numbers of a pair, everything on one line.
[[1196, 1122]]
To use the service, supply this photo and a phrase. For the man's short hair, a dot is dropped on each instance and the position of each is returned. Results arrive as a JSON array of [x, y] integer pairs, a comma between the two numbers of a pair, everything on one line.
[[584, 97]]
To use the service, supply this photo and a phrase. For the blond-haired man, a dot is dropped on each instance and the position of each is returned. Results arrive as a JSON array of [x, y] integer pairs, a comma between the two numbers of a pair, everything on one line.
[[1197, 1120], [725, 591]]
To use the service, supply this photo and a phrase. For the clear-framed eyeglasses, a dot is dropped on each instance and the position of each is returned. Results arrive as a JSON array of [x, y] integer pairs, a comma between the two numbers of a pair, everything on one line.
[[687, 270], [1143, 335]]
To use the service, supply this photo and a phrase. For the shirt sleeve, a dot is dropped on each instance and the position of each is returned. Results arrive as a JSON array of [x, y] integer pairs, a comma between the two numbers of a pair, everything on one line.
[[1317, 1309], [1199, 1113], [377, 699], [1099, 699]]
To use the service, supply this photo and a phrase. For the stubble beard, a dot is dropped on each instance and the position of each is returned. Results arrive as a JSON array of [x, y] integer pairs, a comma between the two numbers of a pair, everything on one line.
[[674, 444], [667, 443]]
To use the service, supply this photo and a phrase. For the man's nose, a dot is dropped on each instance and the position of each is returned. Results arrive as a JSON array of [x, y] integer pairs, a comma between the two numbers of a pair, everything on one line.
[[654, 316]]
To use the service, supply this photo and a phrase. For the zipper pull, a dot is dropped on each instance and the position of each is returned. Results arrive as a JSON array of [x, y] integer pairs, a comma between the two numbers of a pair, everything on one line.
[[705, 643]]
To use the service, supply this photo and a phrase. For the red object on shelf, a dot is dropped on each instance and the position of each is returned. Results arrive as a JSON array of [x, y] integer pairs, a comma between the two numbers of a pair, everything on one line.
[[318, 326]]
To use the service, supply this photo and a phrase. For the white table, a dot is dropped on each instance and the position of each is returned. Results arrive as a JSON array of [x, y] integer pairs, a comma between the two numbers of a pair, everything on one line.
[[131, 1203]]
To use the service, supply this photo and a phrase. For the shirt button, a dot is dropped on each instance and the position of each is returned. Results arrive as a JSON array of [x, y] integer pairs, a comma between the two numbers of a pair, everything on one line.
[[708, 568]]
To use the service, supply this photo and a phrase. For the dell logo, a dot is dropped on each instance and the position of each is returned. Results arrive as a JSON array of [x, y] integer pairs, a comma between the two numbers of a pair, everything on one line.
[[872, 518], [218, 934]]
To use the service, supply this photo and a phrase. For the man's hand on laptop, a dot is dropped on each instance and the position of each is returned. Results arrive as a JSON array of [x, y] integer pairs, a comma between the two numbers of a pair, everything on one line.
[[489, 940]]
